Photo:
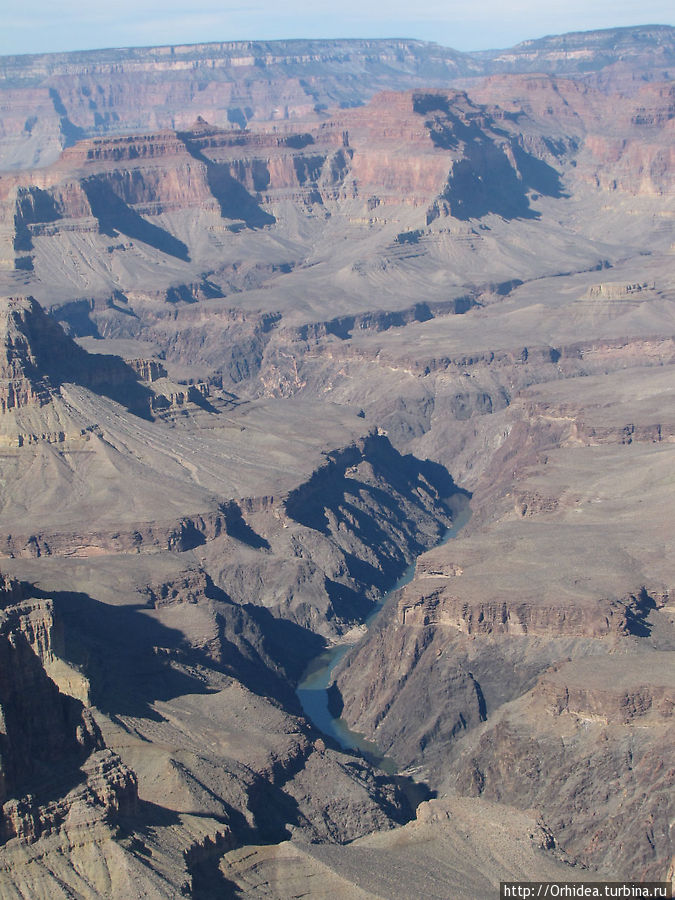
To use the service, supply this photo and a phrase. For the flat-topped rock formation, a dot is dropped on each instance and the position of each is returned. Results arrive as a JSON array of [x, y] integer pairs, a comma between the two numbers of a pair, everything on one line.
[[614, 689], [420, 162], [567, 560], [408, 149], [52, 99], [281, 291]]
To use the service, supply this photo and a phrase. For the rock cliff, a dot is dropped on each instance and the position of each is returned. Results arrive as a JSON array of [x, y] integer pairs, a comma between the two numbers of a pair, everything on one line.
[[53, 99], [55, 768], [271, 316], [457, 678]]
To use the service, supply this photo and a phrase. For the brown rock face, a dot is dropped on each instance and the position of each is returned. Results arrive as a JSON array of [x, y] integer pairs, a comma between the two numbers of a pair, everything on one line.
[[51, 100], [18, 367], [450, 154], [611, 689], [624, 141], [324, 312], [49, 741], [494, 617], [36, 357]]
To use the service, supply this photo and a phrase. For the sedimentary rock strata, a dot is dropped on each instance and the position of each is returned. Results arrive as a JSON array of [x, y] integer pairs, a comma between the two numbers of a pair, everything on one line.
[[249, 338]]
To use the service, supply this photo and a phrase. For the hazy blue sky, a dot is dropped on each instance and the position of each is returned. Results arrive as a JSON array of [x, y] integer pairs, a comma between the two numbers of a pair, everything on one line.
[[37, 26]]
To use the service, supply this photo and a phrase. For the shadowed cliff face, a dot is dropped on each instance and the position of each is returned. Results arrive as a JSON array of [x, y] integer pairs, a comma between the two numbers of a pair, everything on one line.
[[234, 200], [453, 157], [115, 216], [50, 742], [37, 357], [43, 727], [317, 314], [78, 95], [494, 175]]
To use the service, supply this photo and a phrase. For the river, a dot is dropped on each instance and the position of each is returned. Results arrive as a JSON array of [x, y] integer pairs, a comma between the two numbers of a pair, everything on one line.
[[313, 688]]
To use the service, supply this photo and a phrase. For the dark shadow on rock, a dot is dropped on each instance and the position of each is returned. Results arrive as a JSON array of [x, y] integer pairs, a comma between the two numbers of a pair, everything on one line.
[[207, 881], [43, 739], [480, 699], [438, 476], [33, 206], [234, 200], [274, 810], [149, 816], [415, 792], [57, 358], [109, 376], [536, 174], [365, 573], [75, 319], [297, 141], [236, 116], [71, 132], [336, 704], [289, 644], [126, 654], [238, 528], [308, 168], [330, 488], [495, 173], [349, 604], [249, 644], [484, 183], [432, 101], [202, 859], [196, 397], [637, 616], [114, 216]]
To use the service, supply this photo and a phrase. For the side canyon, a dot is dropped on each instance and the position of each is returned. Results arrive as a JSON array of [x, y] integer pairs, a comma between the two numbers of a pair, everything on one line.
[[272, 315]]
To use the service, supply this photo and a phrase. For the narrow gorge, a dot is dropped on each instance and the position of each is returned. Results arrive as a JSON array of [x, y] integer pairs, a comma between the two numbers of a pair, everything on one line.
[[276, 318]]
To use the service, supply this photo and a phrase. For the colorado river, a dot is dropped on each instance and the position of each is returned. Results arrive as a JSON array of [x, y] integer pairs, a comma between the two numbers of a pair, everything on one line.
[[313, 688]]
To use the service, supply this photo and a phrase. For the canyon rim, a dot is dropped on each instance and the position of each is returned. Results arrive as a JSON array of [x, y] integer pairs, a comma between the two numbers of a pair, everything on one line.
[[275, 315]]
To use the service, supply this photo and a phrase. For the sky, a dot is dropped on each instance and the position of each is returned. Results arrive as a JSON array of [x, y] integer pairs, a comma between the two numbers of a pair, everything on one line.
[[38, 26]]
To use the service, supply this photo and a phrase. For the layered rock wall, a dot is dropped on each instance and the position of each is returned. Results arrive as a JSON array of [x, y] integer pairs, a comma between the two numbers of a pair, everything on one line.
[[47, 735]]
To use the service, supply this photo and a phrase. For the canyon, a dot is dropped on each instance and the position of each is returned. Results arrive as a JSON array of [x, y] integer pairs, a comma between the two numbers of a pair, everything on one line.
[[273, 316]]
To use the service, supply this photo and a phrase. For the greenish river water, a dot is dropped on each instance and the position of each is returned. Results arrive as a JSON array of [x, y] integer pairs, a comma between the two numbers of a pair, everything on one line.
[[317, 678]]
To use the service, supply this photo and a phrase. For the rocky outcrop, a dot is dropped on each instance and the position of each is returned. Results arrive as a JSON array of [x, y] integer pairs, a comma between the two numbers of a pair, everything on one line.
[[187, 533], [55, 98], [109, 791], [147, 370], [458, 162], [55, 767], [440, 608], [613, 690], [36, 357], [617, 144], [576, 769]]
